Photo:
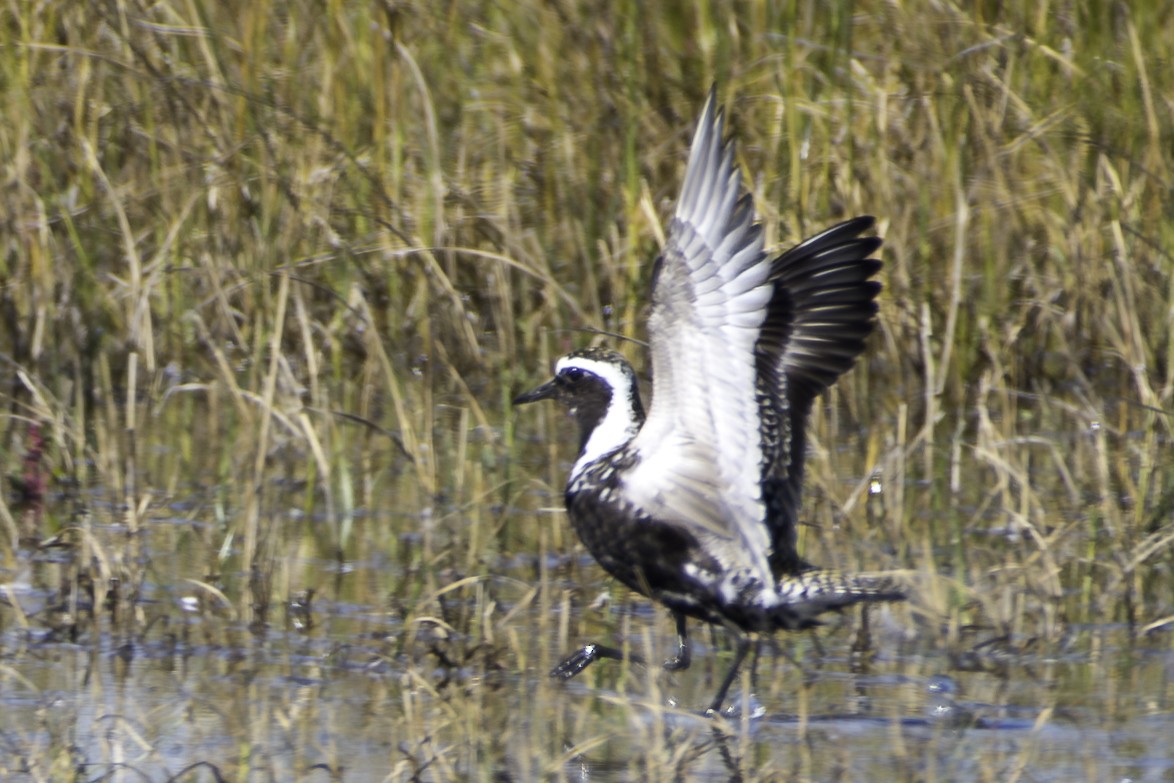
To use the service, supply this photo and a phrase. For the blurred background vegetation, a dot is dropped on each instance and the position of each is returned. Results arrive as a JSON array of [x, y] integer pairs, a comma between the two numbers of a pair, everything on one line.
[[270, 274]]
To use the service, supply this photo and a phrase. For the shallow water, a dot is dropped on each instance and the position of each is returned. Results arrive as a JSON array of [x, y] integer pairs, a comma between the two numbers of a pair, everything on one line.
[[356, 683]]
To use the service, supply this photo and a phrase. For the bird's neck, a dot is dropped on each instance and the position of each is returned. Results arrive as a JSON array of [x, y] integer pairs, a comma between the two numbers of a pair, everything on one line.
[[602, 434]]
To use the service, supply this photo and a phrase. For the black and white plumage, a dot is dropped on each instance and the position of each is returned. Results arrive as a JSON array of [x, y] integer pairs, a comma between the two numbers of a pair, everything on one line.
[[696, 505]]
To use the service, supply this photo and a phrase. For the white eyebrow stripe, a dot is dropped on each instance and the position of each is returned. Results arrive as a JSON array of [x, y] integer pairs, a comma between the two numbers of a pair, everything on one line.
[[619, 424]]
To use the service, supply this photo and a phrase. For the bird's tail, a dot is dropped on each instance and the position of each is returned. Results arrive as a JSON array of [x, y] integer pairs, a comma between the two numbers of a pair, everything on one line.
[[802, 597]]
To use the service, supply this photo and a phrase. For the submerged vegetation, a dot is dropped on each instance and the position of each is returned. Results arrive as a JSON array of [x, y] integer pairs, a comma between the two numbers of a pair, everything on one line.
[[270, 275]]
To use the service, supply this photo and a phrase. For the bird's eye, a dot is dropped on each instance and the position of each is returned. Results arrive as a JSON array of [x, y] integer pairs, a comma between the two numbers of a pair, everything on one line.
[[573, 374]]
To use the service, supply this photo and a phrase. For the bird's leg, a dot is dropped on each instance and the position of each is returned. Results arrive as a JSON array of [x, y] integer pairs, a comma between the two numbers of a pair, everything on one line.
[[739, 654], [582, 658], [754, 662], [682, 659]]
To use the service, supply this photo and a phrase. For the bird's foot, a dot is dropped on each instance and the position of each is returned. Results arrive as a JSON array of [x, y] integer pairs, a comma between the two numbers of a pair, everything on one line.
[[679, 662], [584, 657]]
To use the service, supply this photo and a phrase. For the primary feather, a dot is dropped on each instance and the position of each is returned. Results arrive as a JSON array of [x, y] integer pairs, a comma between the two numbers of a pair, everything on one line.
[[697, 505]]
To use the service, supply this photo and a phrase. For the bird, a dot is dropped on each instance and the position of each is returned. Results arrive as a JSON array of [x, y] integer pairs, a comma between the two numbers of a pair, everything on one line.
[[696, 504]]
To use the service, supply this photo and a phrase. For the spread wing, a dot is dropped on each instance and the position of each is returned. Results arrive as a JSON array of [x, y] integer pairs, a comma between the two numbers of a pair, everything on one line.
[[822, 309], [700, 456]]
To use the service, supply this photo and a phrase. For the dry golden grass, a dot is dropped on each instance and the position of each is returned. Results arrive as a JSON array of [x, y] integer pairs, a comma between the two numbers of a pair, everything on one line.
[[271, 274]]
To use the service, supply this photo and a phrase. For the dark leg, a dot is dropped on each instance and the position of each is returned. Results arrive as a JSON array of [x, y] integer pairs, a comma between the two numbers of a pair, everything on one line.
[[754, 662], [739, 655], [681, 660], [581, 659]]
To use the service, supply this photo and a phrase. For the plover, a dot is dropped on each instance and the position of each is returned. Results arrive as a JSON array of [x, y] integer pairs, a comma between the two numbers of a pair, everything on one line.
[[696, 505]]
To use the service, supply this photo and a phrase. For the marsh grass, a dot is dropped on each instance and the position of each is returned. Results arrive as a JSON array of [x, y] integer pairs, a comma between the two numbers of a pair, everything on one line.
[[271, 275]]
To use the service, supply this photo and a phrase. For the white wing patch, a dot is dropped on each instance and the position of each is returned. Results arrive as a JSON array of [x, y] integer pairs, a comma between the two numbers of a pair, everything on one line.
[[700, 450]]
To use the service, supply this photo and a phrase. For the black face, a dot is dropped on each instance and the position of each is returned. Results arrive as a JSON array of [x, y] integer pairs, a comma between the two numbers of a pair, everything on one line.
[[574, 387], [585, 395]]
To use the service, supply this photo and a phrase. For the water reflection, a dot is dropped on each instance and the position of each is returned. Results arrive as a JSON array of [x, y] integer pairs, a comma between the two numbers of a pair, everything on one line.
[[352, 680]]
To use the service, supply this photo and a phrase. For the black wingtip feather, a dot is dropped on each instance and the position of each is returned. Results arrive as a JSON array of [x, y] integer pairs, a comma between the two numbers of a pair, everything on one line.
[[821, 312]]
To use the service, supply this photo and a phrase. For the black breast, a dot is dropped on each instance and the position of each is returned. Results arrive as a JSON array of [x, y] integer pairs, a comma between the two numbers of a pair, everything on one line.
[[648, 556]]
